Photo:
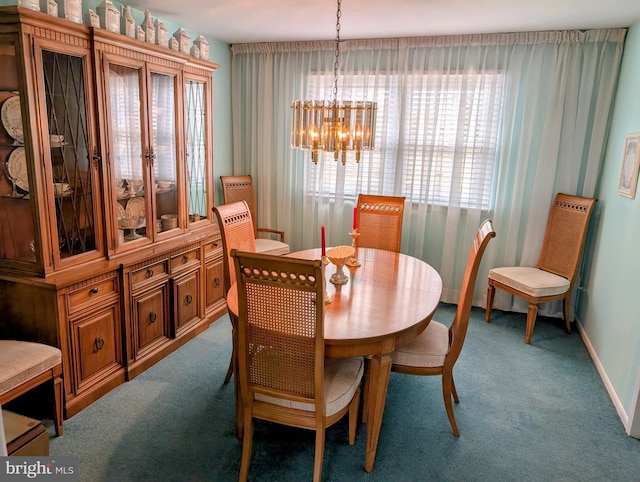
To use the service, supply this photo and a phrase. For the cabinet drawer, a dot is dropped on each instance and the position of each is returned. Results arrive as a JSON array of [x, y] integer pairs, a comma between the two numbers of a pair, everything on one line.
[[91, 294], [185, 260], [213, 248], [149, 274]]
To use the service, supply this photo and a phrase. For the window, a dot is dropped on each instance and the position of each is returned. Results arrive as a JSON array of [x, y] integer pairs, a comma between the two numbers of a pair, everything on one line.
[[436, 139]]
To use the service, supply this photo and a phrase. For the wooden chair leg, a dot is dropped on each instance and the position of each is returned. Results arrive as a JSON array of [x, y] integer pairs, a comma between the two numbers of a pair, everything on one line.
[[454, 391], [58, 397], [447, 382], [365, 391], [531, 321], [353, 417], [566, 302], [317, 464], [230, 369], [234, 335], [491, 291], [246, 447]]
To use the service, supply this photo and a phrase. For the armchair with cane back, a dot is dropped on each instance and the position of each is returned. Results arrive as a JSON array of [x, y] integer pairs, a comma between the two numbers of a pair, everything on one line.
[[240, 188]]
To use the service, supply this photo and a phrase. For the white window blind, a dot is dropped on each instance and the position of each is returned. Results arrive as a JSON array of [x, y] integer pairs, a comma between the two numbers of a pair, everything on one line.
[[436, 139]]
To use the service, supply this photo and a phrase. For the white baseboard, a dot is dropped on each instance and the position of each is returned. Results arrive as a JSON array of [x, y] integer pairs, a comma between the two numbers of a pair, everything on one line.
[[633, 427], [624, 417]]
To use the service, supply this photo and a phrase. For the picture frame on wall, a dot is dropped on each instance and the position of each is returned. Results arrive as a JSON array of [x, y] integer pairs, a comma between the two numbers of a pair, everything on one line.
[[630, 164]]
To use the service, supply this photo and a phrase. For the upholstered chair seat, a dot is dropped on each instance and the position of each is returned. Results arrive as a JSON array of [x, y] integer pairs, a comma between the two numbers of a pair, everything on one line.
[[271, 246], [532, 281], [25, 365], [427, 350]]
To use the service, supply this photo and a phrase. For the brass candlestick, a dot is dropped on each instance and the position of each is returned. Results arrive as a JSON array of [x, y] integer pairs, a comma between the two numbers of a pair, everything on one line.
[[327, 298], [353, 262]]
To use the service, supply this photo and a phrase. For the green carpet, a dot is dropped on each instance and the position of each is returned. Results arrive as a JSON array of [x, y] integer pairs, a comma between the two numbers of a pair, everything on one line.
[[536, 412]]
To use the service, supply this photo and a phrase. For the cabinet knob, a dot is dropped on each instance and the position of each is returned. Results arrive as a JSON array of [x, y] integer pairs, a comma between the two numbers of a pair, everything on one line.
[[215, 244], [149, 272], [185, 258], [152, 317], [189, 299], [216, 282], [99, 343], [93, 291]]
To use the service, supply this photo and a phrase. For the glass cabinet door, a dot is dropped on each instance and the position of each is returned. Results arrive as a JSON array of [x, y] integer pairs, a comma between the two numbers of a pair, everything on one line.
[[164, 149], [129, 155], [18, 240], [72, 154], [195, 96]]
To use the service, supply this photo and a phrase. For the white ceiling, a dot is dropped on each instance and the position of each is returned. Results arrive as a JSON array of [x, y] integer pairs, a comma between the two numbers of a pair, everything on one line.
[[242, 21]]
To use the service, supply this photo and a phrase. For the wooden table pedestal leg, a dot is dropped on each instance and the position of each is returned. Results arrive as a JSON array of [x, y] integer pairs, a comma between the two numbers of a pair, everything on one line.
[[380, 369]]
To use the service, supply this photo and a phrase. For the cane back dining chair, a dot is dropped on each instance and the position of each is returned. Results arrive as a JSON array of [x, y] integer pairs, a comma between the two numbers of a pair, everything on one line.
[[436, 349], [555, 274], [379, 220], [240, 188], [236, 230], [284, 376]]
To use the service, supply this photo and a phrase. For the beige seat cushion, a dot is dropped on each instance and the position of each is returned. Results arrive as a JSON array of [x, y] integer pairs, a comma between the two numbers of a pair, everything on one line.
[[532, 281], [20, 361], [427, 350], [341, 380], [271, 246]]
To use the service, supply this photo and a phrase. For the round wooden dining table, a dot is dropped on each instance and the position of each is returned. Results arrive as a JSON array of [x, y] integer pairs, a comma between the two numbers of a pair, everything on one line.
[[387, 302]]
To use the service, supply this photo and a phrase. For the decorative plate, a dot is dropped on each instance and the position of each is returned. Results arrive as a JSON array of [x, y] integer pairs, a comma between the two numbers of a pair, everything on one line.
[[135, 207], [17, 167], [120, 212], [12, 118]]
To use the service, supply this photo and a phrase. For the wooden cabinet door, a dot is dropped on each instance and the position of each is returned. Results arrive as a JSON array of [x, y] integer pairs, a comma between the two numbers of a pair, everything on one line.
[[96, 345], [150, 323], [198, 149], [186, 301], [72, 160]]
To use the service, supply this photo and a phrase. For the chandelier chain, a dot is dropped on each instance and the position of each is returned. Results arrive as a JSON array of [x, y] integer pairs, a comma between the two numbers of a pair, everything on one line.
[[337, 53]]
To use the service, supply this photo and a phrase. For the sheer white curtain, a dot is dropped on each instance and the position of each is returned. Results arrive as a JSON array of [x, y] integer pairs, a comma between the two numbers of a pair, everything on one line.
[[468, 128]]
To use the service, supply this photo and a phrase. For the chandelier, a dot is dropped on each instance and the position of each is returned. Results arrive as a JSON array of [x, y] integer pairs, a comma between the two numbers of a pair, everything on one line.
[[332, 126]]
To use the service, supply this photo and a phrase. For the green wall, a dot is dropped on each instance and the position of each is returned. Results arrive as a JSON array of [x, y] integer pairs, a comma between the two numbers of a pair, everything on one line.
[[609, 310]]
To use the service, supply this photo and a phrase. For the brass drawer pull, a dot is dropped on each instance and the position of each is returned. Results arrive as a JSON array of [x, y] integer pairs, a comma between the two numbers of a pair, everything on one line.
[[152, 317], [185, 258], [99, 343], [189, 299], [93, 291], [149, 272]]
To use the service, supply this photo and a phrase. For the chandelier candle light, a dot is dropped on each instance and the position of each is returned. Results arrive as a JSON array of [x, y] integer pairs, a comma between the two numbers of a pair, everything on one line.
[[332, 126]]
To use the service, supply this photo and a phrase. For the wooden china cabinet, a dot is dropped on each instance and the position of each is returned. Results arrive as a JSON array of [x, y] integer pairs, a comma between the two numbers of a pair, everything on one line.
[[108, 248]]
